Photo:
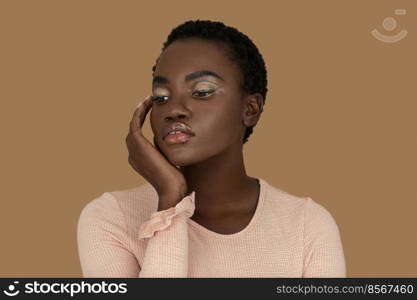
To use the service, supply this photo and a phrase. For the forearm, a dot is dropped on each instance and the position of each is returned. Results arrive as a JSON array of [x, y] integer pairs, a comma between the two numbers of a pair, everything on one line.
[[166, 252], [166, 234]]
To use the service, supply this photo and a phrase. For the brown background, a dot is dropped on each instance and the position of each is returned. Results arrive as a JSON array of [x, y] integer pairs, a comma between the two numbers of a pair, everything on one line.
[[338, 126]]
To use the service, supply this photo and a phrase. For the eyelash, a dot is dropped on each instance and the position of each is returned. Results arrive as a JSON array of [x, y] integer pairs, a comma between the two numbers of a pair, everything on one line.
[[162, 98]]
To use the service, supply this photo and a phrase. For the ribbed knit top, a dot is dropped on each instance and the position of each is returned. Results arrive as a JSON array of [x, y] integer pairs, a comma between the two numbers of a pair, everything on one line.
[[121, 234]]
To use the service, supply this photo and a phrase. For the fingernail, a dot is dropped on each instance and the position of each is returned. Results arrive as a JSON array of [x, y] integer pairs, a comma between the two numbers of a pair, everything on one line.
[[140, 103]]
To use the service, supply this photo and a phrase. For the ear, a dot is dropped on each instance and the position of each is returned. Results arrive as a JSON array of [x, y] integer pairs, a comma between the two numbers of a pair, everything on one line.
[[253, 107]]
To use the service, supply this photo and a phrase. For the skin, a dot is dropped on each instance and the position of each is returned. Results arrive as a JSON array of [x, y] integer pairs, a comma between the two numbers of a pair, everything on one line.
[[211, 163]]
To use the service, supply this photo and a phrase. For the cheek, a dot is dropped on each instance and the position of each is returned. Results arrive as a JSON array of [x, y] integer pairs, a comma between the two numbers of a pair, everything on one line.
[[222, 127]]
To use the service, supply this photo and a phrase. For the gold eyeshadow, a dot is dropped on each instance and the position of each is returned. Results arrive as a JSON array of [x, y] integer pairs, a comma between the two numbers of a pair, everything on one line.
[[205, 86], [200, 89]]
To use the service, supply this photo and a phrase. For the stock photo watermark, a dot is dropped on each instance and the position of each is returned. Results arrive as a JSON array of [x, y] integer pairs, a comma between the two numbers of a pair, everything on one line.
[[390, 24], [71, 289]]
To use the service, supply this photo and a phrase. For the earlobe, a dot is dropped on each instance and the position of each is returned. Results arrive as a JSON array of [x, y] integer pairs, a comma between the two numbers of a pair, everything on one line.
[[249, 120], [254, 108]]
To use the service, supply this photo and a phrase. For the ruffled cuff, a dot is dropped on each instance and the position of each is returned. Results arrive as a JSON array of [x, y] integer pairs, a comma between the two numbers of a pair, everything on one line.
[[160, 220]]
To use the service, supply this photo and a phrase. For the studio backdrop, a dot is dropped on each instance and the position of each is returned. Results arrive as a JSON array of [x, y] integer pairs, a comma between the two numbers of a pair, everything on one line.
[[339, 123]]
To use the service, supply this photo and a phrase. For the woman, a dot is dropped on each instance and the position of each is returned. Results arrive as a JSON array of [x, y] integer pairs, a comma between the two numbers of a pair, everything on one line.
[[200, 214]]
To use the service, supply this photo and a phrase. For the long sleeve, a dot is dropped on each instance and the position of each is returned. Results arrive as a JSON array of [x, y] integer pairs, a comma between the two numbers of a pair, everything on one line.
[[323, 251], [103, 243], [105, 249], [166, 232]]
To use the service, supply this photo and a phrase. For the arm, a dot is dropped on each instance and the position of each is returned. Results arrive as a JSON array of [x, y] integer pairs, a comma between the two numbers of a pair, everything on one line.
[[166, 252], [104, 248], [323, 251], [103, 244]]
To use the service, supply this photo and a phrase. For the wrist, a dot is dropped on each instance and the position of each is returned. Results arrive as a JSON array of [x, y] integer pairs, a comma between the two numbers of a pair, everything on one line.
[[168, 201]]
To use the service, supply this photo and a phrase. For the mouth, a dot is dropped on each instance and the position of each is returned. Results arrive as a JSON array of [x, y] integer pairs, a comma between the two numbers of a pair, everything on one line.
[[177, 137], [177, 133]]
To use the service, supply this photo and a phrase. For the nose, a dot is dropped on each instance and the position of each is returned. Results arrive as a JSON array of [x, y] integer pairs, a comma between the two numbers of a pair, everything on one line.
[[176, 110]]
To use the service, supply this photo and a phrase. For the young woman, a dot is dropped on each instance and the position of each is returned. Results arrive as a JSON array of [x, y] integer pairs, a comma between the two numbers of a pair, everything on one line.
[[200, 214]]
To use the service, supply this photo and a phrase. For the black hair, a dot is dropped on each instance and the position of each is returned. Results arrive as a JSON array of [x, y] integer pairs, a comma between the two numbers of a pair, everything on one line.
[[242, 51]]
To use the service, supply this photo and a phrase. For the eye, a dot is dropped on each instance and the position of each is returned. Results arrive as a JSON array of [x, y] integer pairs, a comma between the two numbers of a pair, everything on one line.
[[203, 93], [159, 99]]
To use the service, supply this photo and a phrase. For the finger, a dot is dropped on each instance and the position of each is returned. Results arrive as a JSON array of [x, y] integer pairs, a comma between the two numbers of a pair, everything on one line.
[[146, 107], [140, 114], [156, 145]]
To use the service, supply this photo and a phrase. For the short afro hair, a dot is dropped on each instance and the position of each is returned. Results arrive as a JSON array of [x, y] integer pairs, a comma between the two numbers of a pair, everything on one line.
[[242, 51]]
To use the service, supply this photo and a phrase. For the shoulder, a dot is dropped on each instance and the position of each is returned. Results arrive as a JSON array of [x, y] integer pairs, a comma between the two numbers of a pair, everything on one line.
[[283, 204], [100, 208], [318, 221], [301, 212], [120, 208]]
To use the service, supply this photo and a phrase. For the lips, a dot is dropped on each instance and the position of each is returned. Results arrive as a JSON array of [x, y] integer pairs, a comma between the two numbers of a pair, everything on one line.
[[177, 138], [178, 127]]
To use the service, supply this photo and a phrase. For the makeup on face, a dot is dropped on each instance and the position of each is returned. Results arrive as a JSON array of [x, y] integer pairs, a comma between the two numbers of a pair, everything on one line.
[[177, 137], [202, 88], [192, 76]]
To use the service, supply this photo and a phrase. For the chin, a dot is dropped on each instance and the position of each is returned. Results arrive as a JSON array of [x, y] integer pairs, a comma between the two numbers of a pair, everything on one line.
[[182, 159], [188, 154]]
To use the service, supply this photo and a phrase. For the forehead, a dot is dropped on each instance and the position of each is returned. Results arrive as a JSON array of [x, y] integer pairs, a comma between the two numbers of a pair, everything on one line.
[[185, 56]]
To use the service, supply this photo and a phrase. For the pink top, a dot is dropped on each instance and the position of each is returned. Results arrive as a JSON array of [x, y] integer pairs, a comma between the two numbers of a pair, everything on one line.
[[121, 234]]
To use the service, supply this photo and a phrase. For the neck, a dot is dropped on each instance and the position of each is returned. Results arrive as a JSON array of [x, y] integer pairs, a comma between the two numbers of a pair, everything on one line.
[[220, 183]]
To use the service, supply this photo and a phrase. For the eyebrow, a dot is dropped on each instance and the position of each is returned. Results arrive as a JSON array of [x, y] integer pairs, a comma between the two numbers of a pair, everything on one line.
[[191, 76]]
